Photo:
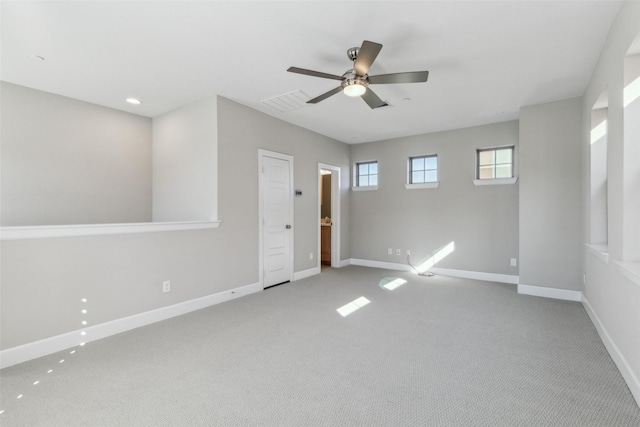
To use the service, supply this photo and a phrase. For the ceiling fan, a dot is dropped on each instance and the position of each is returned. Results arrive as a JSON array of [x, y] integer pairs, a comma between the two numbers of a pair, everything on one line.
[[355, 82]]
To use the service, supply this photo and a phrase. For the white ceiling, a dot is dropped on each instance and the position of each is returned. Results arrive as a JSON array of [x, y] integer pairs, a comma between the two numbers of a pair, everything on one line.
[[486, 59]]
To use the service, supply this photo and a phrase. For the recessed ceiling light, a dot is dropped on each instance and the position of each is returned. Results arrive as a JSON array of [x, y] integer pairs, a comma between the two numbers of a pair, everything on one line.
[[134, 101]]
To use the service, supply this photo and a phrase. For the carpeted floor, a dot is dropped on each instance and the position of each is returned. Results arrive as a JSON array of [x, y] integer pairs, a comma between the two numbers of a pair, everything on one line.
[[435, 351]]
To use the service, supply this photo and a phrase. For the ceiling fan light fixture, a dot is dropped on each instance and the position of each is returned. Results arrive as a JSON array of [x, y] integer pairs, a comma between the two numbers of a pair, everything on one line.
[[354, 87]]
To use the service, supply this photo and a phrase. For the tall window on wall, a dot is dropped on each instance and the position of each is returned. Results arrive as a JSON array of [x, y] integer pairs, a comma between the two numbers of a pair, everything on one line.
[[366, 174], [631, 159], [494, 163], [598, 172]]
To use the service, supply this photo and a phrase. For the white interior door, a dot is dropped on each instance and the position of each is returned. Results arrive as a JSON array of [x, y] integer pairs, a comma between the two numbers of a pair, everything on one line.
[[277, 232]]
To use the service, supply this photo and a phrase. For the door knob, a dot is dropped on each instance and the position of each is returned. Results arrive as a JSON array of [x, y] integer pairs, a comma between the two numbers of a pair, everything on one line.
[[287, 226]]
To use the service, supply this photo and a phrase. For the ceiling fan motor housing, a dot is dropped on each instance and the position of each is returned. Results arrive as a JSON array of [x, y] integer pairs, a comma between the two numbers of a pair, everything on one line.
[[352, 78]]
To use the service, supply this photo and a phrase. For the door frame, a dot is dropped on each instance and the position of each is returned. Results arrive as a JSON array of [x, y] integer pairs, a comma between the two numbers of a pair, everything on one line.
[[335, 213], [261, 155]]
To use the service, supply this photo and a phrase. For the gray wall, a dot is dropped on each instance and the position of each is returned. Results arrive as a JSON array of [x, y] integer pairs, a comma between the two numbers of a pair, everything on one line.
[[185, 163], [66, 161], [241, 132], [482, 221], [550, 195], [44, 280], [611, 295]]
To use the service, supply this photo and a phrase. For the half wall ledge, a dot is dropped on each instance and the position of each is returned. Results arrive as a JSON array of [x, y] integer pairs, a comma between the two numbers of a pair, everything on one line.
[[52, 231]]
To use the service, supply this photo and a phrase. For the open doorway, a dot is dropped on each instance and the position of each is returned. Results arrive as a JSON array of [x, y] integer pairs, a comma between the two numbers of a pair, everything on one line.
[[328, 216]]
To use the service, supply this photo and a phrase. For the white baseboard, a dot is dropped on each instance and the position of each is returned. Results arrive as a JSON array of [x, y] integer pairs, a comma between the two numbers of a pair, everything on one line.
[[618, 358], [555, 293], [344, 262], [13, 356], [298, 275], [477, 275], [380, 264]]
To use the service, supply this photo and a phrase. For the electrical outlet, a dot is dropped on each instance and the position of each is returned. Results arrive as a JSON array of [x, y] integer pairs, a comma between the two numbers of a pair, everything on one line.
[[310, 255], [398, 252], [390, 251], [584, 278], [166, 286], [514, 262]]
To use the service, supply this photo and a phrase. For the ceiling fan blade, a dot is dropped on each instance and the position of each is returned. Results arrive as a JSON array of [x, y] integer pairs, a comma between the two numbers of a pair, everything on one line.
[[366, 55], [314, 73], [324, 95], [373, 100], [410, 77]]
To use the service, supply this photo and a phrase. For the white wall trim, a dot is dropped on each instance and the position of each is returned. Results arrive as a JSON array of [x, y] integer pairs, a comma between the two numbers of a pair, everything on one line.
[[23, 353], [599, 251], [422, 186], [51, 231], [476, 275], [632, 380], [630, 270], [380, 264], [495, 181], [344, 262], [555, 293], [365, 188], [299, 275]]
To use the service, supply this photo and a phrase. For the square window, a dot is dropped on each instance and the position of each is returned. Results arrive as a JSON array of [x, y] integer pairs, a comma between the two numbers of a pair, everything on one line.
[[366, 174], [423, 169], [495, 163]]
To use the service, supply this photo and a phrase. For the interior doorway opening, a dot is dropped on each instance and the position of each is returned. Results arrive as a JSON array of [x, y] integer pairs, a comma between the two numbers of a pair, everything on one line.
[[329, 216]]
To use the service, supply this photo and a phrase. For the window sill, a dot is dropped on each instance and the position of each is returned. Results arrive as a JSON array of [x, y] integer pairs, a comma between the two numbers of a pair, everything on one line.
[[366, 188], [422, 186], [50, 231], [631, 270], [495, 181], [599, 251]]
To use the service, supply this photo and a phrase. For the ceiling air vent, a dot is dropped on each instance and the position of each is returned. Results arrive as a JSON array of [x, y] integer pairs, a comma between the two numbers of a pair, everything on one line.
[[288, 102]]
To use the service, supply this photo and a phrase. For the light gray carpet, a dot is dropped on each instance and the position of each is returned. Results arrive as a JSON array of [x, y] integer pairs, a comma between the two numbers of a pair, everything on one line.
[[436, 351]]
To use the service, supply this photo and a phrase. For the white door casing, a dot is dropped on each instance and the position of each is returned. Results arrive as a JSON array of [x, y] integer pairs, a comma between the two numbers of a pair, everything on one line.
[[276, 218]]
